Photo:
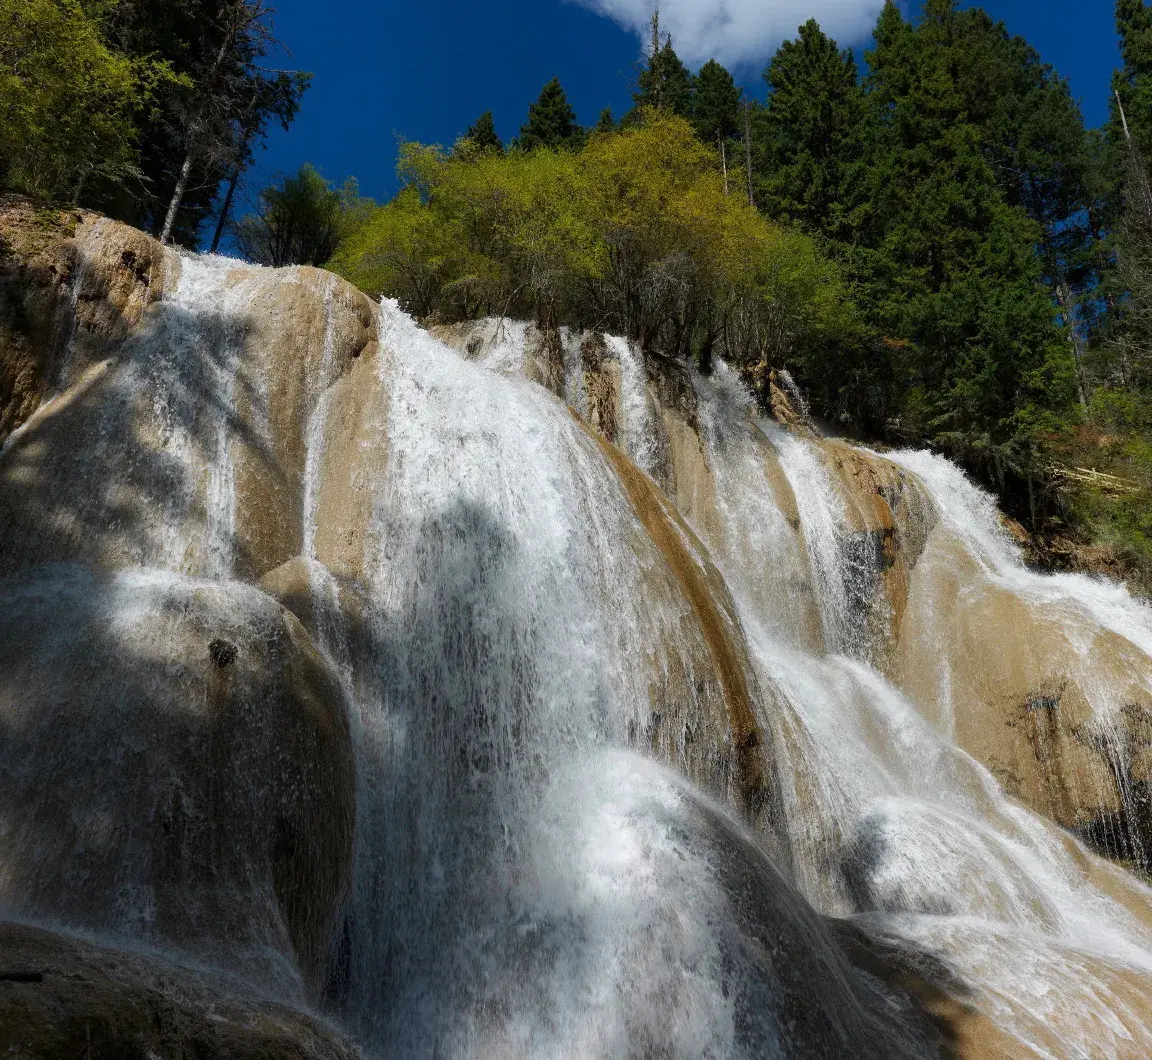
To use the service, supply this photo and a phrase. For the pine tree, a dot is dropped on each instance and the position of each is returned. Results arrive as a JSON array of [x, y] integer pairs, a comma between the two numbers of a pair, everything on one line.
[[482, 134], [1033, 136], [814, 138], [1130, 118], [551, 121], [716, 104], [606, 123], [1133, 82], [957, 272], [665, 83]]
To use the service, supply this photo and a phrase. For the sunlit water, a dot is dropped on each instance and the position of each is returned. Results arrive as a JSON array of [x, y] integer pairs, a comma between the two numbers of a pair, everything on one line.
[[529, 880]]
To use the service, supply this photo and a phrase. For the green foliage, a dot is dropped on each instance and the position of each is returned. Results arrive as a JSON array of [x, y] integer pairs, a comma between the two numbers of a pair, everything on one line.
[[606, 123], [715, 104], [104, 101], [69, 105], [956, 270], [1133, 81], [482, 136], [551, 121], [665, 83], [816, 137], [1103, 481], [300, 220], [632, 234]]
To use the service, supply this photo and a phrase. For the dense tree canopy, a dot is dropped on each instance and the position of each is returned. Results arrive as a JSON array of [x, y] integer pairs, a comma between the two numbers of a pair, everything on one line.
[[70, 106], [634, 234], [300, 220], [715, 106], [140, 108], [551, 120], [815, 136]]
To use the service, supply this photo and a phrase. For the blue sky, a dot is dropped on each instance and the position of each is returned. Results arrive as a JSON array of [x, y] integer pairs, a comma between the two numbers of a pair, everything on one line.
[[425, 70]]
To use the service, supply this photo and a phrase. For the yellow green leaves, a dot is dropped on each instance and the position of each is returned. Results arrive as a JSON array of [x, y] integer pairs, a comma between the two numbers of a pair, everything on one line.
[[67, 102], [634, 233]]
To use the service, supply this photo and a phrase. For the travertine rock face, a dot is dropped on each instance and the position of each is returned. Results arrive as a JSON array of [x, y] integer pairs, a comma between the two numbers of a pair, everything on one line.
[[73, 286], [1058, 708], [63, 997], [1056, 705], [164, 403], [889, 517], [334, 663], [176, 769]]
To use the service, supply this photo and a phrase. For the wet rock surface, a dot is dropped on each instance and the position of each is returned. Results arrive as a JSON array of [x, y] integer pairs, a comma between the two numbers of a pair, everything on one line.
[[176, 768], [63, 997], [333, 663]]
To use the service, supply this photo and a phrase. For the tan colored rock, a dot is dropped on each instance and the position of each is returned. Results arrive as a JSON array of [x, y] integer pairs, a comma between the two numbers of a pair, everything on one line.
[[73, 286], [601, 387], [303, 331], [1054, 705], [891, 516], [174, 437], [544, 360], [723, 746], [176, 769], [783, 410], [290, 585], [354, 447], [62, 997]]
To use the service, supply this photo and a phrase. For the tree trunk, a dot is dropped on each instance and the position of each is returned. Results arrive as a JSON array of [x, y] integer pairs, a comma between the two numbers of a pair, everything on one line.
[[1064, 300], [723, 161], [748, 149], [177, 198], [79, 186], [225, 210], [207, 86]]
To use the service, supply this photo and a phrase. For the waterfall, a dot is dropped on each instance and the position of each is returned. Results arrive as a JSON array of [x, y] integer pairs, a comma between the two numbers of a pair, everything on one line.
[[657, 709], [639, 439], [505, 557]]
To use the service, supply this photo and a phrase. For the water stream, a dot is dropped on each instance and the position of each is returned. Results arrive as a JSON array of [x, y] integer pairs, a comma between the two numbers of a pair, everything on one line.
[[617, 762]]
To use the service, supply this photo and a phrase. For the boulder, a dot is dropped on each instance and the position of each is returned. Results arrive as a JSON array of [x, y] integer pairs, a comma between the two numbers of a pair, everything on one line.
[[65, 997], [72, 287], [175, 769], [164, 400]]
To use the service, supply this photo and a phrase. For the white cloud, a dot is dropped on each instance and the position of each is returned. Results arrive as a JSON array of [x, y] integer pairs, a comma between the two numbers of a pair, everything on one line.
[[736, 31]]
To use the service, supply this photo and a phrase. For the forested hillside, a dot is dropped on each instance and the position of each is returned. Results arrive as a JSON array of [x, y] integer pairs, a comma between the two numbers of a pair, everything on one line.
[[149, 110], [931, 242], [937, 249]]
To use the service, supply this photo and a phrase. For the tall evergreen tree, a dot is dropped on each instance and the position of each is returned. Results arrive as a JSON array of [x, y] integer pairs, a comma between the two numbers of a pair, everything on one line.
[[1127, 188], [958, 275], [1132, 83], [716, 104], [202, 131], [665, 83], [551, 121], [1033, 135], [605, 123], [813, 139], [482, 133]]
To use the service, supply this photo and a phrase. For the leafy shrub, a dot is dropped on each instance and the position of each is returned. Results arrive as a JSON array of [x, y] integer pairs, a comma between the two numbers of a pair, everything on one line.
[[633, 234], [67, 102]]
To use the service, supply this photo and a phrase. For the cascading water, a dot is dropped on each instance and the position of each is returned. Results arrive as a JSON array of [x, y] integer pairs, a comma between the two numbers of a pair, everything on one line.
[[889, 820], [494, 528], [500, 540], [579, 635], [504, 898]]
